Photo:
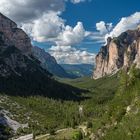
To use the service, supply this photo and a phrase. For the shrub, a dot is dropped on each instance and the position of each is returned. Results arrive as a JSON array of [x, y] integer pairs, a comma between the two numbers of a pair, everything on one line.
[[52, 132], [89, 125], [77, 135]]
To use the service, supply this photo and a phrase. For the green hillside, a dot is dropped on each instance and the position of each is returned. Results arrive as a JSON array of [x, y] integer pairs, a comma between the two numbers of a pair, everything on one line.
[[110, 110], [46, 114], [114, 105]]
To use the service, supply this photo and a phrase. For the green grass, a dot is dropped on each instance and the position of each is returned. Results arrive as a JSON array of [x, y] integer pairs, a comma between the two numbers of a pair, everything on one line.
[[91, 84]]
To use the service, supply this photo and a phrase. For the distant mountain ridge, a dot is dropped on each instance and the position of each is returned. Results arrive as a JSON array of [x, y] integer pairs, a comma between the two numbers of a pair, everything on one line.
[[120, 52], [49, 62], [80, 70]]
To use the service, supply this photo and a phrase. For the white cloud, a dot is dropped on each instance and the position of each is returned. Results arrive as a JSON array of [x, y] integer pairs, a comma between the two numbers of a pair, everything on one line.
[[27, 10], [46, 28], [99, 35], [71, 36], [41, 19], [71, 55], [51, 28], [106, 30], [125, 23], [103, 27], [77, 1]]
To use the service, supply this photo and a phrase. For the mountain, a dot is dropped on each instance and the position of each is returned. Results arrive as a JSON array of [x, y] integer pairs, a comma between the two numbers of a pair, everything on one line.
[[80, 70], [120, 52], [20, 72], [13, 36], [48, 62]]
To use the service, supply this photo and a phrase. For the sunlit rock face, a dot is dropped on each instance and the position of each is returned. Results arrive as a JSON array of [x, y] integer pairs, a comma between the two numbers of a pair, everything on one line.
[[13, 35], [120, 52]]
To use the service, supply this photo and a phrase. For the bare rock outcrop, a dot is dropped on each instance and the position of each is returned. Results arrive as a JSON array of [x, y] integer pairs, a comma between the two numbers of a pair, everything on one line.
[[120, 52], [13, 35]]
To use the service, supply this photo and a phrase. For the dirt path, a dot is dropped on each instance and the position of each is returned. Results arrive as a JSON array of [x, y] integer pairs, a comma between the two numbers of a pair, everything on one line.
[[48, 135]]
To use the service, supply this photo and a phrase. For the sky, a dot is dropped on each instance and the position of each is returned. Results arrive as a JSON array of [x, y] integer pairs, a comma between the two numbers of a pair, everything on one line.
[[72, 31]]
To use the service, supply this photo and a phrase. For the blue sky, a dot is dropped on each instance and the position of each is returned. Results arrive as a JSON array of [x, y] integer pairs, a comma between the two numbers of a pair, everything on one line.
[[72, 31], [107, 10], [99, 10]]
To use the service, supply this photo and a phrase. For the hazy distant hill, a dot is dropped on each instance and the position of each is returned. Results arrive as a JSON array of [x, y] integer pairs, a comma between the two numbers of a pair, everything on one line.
[[79, 70]]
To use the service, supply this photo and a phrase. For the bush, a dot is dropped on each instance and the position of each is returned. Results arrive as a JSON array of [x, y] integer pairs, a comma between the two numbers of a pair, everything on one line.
[[52, 132], [89, 125], [77, 135]]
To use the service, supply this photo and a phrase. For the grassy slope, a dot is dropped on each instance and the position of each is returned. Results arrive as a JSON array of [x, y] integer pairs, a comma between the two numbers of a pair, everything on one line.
[[45, 114], [125, 110], [114, 108]]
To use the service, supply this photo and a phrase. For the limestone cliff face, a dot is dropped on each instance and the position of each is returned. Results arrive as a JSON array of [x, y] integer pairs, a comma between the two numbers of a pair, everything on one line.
[[120, 52], [13, 35]]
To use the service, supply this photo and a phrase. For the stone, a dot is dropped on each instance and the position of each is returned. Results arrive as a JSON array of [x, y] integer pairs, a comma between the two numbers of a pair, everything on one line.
[[13, 35]]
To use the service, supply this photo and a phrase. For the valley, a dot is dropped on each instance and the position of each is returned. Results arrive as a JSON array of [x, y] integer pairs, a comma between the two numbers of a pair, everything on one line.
[[110, 105], [46, 115], [109, 109], [53, 87]]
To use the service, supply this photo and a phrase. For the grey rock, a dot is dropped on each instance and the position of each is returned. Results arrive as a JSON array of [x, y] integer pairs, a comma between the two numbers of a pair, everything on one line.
[[13, 35]]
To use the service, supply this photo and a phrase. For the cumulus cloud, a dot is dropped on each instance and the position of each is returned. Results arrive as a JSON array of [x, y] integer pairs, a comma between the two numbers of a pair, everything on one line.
[[52, 28], [71, 36], [125, 23], [46, 28], [41, 19], [103, 27], [27, 10], [106, 30], [71, 55]]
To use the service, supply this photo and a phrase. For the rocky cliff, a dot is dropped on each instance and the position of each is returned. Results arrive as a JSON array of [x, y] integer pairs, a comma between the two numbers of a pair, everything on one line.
[[120, 52], [49, 62], [13, 35]]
